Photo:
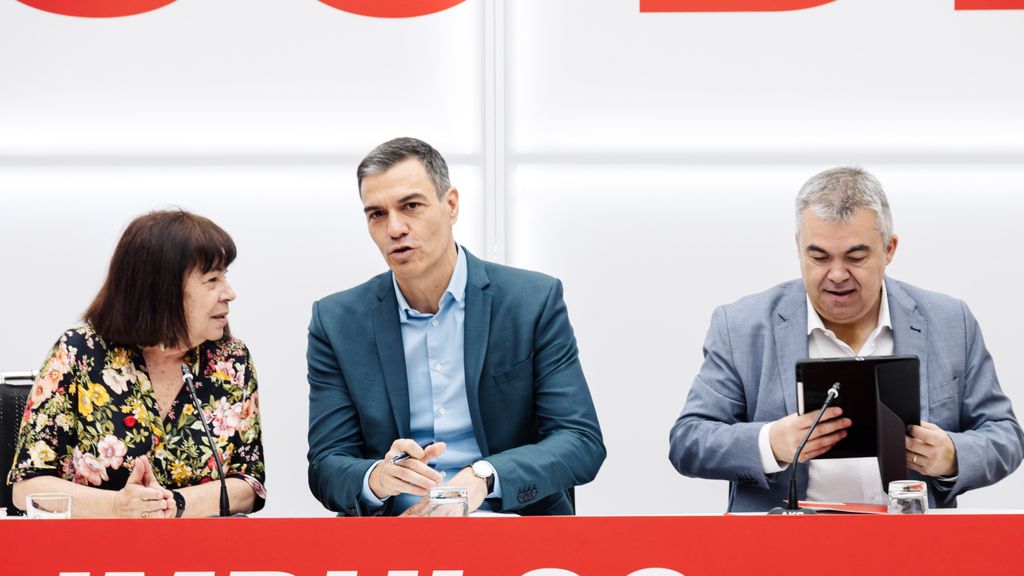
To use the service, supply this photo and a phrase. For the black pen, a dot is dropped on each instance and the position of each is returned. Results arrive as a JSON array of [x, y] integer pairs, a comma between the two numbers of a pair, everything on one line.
[[405, 455]]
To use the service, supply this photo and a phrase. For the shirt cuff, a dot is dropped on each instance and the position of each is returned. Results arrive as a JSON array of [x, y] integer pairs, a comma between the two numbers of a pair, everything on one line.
[[253, 483], [257, 488], [496, 493], [764, 443], [367, 495]]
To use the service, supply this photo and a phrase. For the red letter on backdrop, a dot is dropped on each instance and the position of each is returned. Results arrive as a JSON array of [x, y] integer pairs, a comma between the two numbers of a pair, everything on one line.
[[97, 8], [990, 4], [392, 8], [728, 5]]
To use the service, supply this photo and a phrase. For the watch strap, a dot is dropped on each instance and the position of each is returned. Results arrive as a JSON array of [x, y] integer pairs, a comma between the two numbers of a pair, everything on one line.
[[179, 503]]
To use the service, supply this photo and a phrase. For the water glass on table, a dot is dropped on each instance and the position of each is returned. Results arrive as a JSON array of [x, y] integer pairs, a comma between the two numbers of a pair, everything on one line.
[[448, 501], [48, 506], [908, 497]]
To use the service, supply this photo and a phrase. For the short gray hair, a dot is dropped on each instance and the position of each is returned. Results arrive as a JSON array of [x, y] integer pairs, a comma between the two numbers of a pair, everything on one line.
[[394, 152], [835, 195]]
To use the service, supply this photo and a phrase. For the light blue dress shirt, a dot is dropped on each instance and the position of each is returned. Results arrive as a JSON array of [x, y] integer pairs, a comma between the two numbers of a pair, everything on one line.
[[435, 371]]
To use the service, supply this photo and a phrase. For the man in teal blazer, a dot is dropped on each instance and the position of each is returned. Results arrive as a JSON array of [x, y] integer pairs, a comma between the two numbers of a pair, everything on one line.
[[476, 358]]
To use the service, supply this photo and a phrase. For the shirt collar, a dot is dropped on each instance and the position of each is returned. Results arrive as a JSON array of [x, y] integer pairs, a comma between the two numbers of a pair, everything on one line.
[[814, 321], [456, 289]]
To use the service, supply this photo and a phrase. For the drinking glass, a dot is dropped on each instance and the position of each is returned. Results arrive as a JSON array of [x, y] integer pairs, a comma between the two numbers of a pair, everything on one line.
[[448, 501], [908, 497], [48, 506]]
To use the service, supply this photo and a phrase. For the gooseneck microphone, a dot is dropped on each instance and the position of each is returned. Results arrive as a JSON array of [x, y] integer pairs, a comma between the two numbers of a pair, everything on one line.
[[225, 506], [793, 506]]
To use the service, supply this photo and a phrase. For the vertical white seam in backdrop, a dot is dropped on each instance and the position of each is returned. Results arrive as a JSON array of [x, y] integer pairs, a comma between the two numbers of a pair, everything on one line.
[[494, 145]]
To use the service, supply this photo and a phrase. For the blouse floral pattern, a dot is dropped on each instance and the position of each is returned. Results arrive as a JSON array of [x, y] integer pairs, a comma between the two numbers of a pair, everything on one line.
[[93, 411]]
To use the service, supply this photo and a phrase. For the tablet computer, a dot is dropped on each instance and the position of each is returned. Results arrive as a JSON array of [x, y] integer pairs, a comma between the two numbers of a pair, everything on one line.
[[880, 394]]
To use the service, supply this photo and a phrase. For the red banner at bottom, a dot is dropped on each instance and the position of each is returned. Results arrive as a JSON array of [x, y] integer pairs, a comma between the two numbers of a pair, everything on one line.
[[561, 546]]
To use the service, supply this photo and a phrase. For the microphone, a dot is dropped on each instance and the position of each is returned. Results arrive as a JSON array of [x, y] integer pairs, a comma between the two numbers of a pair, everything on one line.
[[793, 507], [225, 506]]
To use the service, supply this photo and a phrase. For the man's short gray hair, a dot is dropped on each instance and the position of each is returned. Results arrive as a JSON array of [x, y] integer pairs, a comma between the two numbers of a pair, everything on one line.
[[394, 152], [835, 196]]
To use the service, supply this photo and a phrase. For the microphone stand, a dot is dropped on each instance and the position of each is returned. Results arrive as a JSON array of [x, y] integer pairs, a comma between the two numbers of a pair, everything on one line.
[[793, 506], [225, 505]]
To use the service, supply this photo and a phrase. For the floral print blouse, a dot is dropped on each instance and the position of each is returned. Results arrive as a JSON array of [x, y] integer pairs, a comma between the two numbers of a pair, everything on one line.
[[93, 411]]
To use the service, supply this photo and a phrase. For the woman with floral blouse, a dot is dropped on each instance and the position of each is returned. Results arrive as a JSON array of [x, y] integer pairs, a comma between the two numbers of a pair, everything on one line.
[[109, 420]]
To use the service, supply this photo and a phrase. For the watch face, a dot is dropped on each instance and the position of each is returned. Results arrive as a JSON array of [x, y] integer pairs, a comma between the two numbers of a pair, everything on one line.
[[483, 469]]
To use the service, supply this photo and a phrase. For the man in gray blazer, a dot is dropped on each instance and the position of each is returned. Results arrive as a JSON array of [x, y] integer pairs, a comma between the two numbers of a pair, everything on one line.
[[740, 422], [447, 369]]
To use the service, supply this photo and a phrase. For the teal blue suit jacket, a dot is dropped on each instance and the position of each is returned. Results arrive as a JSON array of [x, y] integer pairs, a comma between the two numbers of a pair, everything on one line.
[[532, 413]]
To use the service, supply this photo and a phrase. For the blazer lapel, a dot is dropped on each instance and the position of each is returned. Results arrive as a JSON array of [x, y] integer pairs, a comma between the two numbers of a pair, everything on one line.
[[476, 334], [790, 341], [391, 352], [909, 334]]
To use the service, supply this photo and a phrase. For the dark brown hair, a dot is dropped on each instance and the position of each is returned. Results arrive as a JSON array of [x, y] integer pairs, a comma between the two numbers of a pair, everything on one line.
[[142, 300], [398, 150]]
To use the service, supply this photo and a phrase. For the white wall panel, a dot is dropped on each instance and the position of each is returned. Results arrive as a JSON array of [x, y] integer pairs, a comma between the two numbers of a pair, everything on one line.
[[913, 76], [234, 77], [646, 253]]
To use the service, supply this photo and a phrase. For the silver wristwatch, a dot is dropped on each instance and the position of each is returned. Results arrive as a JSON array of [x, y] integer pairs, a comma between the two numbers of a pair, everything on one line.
[[483, 469]]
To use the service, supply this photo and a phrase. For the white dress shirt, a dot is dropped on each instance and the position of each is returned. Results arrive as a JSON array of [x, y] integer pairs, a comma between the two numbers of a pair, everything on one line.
[[839, 479]]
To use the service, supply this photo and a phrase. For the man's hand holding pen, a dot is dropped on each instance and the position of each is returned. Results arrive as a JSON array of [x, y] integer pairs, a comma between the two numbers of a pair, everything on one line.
[[404, 469]]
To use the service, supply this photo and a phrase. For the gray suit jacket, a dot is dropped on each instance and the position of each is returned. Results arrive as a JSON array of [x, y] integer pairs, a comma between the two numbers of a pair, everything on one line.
[[532, 413], [749, 379]]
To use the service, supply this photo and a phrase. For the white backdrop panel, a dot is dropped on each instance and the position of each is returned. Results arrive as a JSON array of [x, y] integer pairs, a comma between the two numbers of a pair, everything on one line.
[[912, 76], [301, 235], [646, 253], [235, 77]]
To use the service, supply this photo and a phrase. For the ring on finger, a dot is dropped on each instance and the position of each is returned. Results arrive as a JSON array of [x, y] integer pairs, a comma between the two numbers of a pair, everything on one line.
[[914, 459]]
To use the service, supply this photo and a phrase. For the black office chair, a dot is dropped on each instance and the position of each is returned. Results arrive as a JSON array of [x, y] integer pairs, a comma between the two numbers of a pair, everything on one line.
[[14, 389]]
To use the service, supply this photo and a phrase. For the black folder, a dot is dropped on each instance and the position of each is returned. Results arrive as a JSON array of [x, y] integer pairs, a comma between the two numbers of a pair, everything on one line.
[[881, 394]]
